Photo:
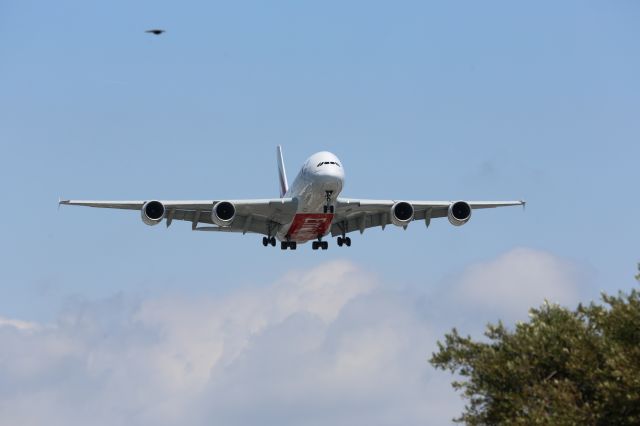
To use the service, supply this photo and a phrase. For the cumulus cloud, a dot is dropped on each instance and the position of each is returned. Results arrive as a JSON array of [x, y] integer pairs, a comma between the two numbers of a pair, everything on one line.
[[517, 280], [326, 346]]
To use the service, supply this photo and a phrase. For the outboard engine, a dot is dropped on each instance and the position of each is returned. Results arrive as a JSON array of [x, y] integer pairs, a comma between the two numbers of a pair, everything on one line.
[[152, 212], [223, 213], [459, 213], [401, 213]]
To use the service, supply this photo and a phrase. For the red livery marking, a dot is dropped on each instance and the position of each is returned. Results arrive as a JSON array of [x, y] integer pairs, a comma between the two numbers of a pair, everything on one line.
[[307, 226]]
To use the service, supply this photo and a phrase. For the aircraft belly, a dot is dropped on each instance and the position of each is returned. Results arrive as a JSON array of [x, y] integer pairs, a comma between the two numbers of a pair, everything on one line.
[[308, 226], [307, 223]]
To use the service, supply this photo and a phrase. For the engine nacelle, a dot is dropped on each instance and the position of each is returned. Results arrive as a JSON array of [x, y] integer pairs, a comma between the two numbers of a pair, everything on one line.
[[401, 213], [223, 213], [152, 212], [459, 213]]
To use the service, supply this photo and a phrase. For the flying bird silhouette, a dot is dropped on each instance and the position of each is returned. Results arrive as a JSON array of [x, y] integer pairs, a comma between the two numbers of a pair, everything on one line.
[[155, 31]]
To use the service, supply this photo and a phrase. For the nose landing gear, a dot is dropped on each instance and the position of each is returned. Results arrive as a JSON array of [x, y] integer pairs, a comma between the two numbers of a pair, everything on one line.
[[328, 208]]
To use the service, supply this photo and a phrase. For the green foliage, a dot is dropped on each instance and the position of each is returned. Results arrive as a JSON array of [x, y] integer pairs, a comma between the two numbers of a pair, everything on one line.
[[562, 367]]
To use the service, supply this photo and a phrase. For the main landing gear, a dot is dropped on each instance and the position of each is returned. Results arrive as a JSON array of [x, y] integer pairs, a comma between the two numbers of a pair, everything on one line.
[[291, 245], [344, 241], [320, 244], [269, 241], [328, 208]]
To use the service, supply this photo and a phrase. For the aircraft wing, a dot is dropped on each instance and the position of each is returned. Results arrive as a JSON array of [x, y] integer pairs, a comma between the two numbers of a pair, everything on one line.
[[358, 215], [257, 216]]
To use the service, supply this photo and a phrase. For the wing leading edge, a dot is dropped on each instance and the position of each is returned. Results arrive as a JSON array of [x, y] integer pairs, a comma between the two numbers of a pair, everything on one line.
[[261, 216], [360, 214], [266, 216]]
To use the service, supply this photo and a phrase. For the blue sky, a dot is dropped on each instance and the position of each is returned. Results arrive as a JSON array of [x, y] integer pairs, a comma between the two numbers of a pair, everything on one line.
[[420, 100]]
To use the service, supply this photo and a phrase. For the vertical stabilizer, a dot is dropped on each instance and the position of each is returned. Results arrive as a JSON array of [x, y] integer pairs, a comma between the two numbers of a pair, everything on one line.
[[282, 174]]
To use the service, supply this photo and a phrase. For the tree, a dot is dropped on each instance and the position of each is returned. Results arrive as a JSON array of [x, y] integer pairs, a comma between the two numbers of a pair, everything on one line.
[[562, 367]]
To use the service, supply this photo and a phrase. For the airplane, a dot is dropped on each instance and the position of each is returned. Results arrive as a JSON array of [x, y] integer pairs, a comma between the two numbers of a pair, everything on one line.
[[308, 210]]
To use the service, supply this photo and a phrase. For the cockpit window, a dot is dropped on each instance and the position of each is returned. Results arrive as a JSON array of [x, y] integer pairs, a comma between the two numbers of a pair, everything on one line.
[[328, 162]]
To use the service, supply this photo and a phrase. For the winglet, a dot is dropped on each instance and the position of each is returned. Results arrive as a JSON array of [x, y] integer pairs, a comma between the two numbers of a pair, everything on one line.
[[282, 174], [61, 202], [524, 204]]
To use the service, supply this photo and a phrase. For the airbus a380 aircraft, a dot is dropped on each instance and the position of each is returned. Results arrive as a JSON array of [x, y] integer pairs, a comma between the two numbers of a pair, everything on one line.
[[309, 210]]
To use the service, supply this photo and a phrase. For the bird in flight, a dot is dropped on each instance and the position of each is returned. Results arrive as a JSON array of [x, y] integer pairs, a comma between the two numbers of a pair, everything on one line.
[[155, 31]]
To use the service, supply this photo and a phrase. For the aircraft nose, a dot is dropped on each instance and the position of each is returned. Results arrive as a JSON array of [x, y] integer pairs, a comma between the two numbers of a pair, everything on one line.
[[329, 174], [329, 180]]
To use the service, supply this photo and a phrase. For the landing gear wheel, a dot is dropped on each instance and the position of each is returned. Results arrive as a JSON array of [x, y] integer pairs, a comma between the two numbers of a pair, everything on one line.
[[291, 245], [272, 241], [288, 244], [315, 244], [265, 241], [344, 241], [324, 245]]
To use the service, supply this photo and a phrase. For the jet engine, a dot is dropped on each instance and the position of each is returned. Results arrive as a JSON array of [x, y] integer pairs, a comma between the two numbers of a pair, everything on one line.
[[401, 213], [223, 213], [459, 213], [152, 212]]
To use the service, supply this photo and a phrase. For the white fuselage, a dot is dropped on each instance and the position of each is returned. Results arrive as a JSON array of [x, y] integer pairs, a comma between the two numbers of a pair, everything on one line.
[[320, 175]]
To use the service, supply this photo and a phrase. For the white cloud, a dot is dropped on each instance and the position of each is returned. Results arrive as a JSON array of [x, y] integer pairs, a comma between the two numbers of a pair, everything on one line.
[[516, 281], [20, 325], [326, 346]]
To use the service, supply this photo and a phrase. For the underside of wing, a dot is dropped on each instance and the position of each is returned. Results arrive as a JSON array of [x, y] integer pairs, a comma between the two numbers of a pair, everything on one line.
[[358, 215], [257, 216]]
